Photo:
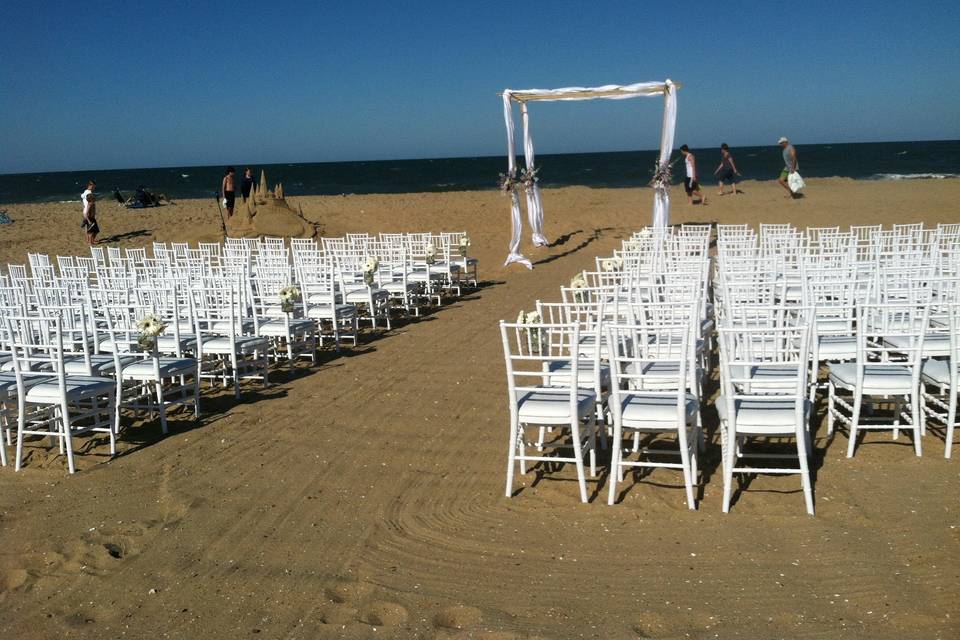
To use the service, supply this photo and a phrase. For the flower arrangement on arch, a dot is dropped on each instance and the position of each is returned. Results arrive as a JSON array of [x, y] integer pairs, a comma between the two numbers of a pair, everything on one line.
[[528, 177], [508, 182], [370, 268], [151, 327], [289, 297]]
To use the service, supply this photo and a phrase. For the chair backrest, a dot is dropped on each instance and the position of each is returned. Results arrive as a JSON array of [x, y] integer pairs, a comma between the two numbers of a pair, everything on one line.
[[532, 350], [891, 335], [746, 350]]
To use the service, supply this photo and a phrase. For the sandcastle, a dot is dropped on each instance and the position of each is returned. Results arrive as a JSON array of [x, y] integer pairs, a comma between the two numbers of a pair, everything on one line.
[[267, 213]]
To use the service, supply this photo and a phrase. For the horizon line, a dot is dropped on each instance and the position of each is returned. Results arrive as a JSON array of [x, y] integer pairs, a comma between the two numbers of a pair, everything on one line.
[[464, 157]]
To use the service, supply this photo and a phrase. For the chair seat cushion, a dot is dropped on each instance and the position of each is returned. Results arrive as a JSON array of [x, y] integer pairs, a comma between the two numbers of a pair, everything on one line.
[[585, 373], [837, 347], [877, 378], [77, 387], [8, 385], [169, 367], [323, 311], [654, 410], [277, 327], [553, 405], [764, 416], [937, 344], [100, 364], [769, 377], [936, 371], [242, 344]]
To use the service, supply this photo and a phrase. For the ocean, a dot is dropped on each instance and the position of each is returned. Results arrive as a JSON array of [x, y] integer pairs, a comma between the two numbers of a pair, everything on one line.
[[860, 161]]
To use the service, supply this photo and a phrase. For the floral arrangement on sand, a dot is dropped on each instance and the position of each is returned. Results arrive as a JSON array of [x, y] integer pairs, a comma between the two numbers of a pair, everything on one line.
[[369, 269], [289, 297], [150, 327], [464, 245]]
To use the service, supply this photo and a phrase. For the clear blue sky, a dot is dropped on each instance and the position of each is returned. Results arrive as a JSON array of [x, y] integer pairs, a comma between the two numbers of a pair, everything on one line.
[[110, 85]]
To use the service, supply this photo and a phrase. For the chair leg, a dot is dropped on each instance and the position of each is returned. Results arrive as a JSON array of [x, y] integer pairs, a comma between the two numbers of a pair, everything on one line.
[[803, 455], [511, 455], [854, 422], [21, 425], [592, 443], [831, 390], [112, 400], [196, 392], [728, 462], [67, 440], [161, 407], [687, 469], [578, 457], [951, 419], [917, 423], [616, 453]]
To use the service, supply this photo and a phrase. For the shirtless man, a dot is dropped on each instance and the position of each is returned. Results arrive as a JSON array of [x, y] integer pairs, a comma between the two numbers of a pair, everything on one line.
[[227, 191], [690, 185], [790, 164]]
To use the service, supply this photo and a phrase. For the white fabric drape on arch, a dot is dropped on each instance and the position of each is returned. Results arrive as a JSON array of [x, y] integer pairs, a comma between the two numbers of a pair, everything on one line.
[[661, 197]]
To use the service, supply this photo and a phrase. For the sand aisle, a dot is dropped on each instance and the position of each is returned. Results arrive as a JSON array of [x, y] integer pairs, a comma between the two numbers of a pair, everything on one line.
[[363, 499]]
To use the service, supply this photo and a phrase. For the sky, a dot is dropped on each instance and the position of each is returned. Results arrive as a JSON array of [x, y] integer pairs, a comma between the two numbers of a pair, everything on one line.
[[97, 85]]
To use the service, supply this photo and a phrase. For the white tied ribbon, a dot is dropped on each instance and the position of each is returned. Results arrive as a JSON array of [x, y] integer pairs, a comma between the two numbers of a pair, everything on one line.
[[515, 255]]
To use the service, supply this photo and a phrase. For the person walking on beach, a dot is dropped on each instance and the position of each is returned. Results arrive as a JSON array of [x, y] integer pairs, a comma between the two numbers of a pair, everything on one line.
[[246, 183], [790, 164], [690, 185], [227, 190], [727, 170], [89, 224]]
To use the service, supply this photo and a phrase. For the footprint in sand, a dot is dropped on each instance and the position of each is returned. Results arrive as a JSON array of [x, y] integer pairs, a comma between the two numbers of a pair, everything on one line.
[[337, 614], [457, 617], [11, 579], [384, 614], [342, 591]]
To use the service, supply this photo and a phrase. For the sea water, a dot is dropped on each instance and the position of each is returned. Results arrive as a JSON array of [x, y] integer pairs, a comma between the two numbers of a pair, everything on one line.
[[860, 161]]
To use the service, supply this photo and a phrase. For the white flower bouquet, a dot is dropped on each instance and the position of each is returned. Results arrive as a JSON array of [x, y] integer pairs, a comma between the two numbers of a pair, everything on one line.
[[430, 254], [535, 336], [464, 245], [289, 297], [579, 281], [150, 327], [369, 269], [612, 264]]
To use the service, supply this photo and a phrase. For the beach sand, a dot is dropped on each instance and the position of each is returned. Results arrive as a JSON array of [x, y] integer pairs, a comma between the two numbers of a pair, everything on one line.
[[364, 498]]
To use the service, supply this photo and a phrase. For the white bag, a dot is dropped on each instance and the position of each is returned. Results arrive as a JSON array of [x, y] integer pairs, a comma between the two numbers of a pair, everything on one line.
[[795, 182]]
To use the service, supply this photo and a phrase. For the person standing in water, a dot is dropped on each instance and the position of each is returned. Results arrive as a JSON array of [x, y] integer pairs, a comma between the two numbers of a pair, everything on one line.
[[690, 185], [790, 164], [227, 191], [89, 224], [246, 183], [727, 170]]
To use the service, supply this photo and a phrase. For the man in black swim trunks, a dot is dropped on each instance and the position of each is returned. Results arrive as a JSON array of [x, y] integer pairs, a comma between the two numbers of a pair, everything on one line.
[[227, 191], [691, 185]]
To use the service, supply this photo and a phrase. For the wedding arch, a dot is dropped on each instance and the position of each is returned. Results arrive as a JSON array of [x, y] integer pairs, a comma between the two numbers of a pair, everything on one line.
[[511, 182]]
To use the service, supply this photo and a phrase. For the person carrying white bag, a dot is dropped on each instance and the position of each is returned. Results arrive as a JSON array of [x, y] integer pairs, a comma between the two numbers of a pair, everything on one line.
[[789, 176]]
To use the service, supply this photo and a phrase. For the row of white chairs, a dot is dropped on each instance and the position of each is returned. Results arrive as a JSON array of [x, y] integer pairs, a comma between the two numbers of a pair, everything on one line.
[[892, 337], [73, 353]]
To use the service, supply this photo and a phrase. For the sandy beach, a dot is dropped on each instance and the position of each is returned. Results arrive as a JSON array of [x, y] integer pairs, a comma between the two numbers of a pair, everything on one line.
[[362, 498]]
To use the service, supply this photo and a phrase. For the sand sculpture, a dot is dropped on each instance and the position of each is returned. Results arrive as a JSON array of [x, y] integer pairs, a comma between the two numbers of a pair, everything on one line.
[[267, 213]]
